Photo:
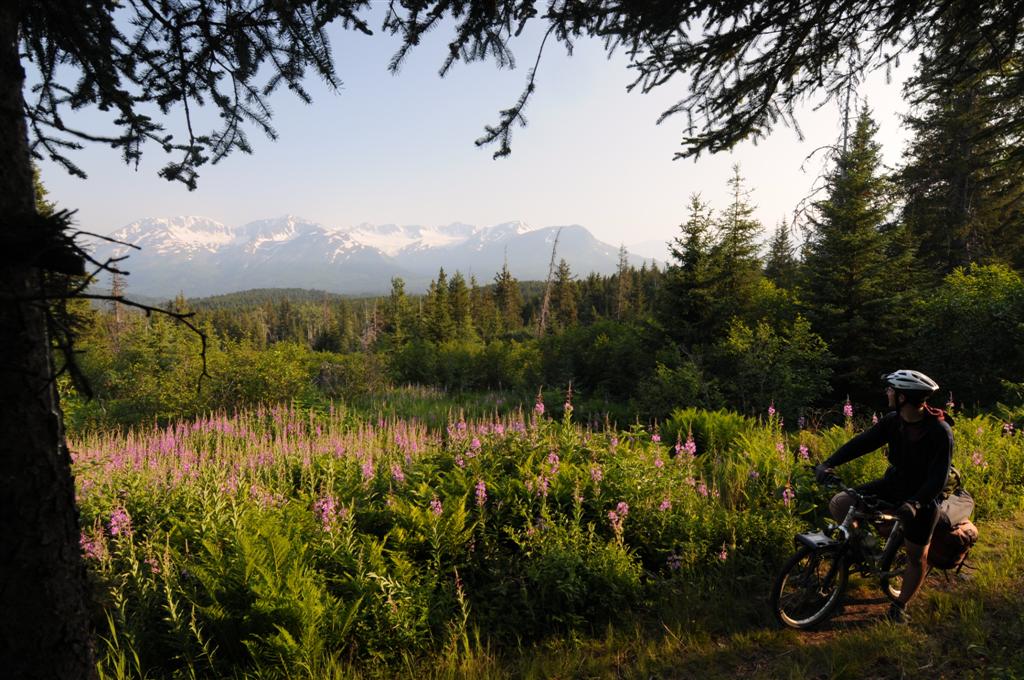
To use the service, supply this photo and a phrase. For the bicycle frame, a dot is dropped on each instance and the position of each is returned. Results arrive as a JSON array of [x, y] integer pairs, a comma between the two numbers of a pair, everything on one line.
[[841, 547]]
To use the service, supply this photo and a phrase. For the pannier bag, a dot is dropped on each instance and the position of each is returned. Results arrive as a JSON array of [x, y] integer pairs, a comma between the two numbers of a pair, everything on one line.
[[955, 533]]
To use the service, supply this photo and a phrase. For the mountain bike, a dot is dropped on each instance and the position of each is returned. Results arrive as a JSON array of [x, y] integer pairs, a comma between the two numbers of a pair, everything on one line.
[[811, 583]]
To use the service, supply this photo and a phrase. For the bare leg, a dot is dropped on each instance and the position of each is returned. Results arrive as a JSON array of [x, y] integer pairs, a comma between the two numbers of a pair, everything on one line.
[[917, 569], [840, 505]]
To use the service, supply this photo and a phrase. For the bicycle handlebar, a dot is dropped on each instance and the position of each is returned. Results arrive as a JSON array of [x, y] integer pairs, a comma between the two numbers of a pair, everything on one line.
[[870, 502]]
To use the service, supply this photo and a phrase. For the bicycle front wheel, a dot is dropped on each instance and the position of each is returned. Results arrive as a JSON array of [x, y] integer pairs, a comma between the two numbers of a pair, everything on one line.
[[809, 587]]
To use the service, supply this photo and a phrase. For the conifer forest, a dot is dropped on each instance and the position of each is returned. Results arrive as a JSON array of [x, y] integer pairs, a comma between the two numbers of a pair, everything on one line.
[[586, 476]]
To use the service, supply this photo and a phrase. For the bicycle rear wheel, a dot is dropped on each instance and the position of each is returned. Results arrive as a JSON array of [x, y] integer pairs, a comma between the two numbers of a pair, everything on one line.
[[894, 561], [809, 587]]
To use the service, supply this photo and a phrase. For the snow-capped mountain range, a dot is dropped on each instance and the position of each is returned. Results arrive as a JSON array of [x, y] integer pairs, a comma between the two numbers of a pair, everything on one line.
[[198, 256]]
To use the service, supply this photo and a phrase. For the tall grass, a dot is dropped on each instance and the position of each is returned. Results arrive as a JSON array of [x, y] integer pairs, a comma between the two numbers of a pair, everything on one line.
[[287, 542]]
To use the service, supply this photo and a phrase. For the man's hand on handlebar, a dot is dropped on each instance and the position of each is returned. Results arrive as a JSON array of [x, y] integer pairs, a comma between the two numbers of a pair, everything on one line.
[[824, 474]]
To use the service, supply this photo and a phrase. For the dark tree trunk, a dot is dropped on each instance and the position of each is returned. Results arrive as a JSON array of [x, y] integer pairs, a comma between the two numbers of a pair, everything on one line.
[[44, 631]]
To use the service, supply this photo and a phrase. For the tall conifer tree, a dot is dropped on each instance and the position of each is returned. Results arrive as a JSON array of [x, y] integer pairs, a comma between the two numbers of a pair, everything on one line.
[[964, 169], [737, 267], [461, 308], [624, 284], [397, 312], [854, 276], [686, 297], [508, 299], [437, 310], [780, 265], [564, 296]]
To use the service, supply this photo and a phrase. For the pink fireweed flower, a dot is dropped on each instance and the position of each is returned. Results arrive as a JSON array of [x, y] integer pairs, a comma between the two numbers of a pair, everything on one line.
[[787, 496], [690, 446], [658, 463], [596, 474], [368, 469], [481, 493], [613, 442], [567, 407], [723, 554], [702, 489], [538, 486], [978, 459], [655, 437], [91, 549], [848, 408], [153, 564], [538, 408], [771, 409], [674, 562], [553, 461], [120, 523], [230, 485], [805, 453], [326, 511], [780, 447], [615, 520], [397, 474], [459, 460], [754, 474], [435, 506], [499, 429], [622, 508], [665, 505], [474, 445]]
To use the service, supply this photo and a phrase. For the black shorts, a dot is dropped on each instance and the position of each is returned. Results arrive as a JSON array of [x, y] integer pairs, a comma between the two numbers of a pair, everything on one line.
[[918, 530]]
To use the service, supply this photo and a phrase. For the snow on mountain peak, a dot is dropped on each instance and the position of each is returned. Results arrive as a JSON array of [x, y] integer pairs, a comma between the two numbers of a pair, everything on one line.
[[187, 233], [392, 239], [203, 256]]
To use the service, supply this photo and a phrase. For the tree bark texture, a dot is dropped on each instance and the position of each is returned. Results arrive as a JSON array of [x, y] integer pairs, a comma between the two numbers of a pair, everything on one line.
[[44, 626]]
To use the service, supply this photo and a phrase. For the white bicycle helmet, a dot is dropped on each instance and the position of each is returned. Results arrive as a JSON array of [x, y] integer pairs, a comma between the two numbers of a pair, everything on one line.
[[911, 381]]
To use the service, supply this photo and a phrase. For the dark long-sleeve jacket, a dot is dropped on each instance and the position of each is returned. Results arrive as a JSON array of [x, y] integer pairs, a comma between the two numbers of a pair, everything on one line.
[[920, 454]]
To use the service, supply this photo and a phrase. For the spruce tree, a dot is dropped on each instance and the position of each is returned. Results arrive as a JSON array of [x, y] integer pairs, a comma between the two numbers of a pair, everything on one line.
[[780, 265], [437, 310], [623, 284], [963, 175], [638, 296], [734, 257], [564, 297], [508, 300], [687, 296], [397, 313], [853, 283], [461, 308]]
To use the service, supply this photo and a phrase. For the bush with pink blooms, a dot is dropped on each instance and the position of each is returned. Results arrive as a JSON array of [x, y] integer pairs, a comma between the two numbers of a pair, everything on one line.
[[280, 538]]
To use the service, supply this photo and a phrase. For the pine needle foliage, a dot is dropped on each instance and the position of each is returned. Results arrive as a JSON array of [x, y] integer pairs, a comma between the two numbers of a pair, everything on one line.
[[852, 290], [963, 169]]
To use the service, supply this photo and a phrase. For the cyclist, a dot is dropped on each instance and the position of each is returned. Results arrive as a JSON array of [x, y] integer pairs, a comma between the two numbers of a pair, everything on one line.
[[920, 451]]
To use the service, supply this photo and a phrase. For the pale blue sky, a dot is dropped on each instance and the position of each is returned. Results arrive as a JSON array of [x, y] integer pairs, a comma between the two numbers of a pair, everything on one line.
[[400, 149]]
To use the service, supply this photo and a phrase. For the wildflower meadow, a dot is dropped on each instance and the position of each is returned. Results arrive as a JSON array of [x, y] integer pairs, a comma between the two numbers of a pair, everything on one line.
[[289, 542]]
